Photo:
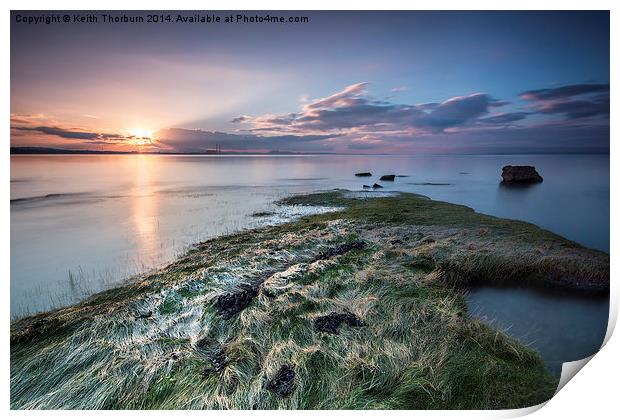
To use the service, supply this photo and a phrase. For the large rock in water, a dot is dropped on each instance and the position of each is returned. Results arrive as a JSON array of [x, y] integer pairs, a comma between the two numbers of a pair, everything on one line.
[[520, 174]]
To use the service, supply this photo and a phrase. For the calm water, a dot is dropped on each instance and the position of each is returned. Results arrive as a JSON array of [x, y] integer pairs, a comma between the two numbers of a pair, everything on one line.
[[80, 224], [561, 326]]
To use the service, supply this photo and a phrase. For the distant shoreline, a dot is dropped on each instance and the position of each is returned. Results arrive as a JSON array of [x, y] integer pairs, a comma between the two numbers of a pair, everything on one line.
[[53, 151]]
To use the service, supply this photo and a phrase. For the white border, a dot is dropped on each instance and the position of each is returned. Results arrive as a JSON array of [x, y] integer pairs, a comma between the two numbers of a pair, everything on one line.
[[593, 394]]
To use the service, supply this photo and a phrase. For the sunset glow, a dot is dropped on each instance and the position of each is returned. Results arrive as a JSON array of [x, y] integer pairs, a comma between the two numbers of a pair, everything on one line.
[[499, 83], [140, 134]]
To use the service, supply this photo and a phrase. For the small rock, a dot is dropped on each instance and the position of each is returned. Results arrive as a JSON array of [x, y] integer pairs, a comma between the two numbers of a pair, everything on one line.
[[262, 214], [341, 249], [363, 174], [366, 186], [283, 384], [145, 315], [230, 304], [387, 178], [330, 323], [375, 186], [520, 174]]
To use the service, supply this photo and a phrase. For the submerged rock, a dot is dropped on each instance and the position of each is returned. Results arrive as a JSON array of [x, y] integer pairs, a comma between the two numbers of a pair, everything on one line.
[[262, 214], [387, 178], [520, 174], [366, 186], [375, 186], [330, 323], [283, 384], [363, 174], [230, 304]]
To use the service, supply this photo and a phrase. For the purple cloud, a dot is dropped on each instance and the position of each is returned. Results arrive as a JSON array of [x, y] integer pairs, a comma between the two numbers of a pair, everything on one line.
[[562, 92], [571, 101], [505, 118], [70, 134], [352, 109], [196, 141]]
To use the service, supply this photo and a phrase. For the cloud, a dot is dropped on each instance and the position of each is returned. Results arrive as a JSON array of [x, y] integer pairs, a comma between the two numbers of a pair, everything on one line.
[[504, 118], [70, 134], [46, 128], [458, 111], [562, 92], [352, 109], [240, 119], [399, 89], [350, 96], [577, 108], [196, 141], [571, 101]]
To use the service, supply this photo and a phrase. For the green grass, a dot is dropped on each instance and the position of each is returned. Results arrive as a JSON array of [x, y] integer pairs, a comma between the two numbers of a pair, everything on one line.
[[419, 348]]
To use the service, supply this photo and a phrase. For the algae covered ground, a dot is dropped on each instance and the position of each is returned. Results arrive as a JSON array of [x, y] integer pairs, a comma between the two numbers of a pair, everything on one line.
[[360, 308]]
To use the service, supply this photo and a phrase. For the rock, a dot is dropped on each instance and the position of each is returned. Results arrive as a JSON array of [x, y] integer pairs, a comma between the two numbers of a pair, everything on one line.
[[283, 384], [366, 186], [262, 214], [230, 304], [340, 249], [387, 178], [144, 315], [518, 174], [330, 323], [363, 174], [375, 186]]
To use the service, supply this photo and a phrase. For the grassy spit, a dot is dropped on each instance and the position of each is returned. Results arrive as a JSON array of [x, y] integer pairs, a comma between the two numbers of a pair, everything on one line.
[[233, 324]]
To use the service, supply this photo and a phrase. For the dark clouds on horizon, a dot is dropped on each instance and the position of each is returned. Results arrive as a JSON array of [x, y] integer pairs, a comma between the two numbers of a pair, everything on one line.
[[352, 121], [70, 133], [196, 141]]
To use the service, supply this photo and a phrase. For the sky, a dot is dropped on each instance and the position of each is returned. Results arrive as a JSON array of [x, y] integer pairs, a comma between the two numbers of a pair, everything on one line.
[[344, 82]]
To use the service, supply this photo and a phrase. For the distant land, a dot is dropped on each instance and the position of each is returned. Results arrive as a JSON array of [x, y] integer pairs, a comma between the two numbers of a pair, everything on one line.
[[27, 150], [53, 151]]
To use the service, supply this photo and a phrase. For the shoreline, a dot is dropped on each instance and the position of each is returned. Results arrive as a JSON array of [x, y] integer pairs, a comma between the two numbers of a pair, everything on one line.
[[236, 309]]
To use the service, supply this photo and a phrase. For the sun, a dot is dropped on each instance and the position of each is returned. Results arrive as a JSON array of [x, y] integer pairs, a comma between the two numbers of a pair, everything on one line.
[[141, 132], [140, 137]]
